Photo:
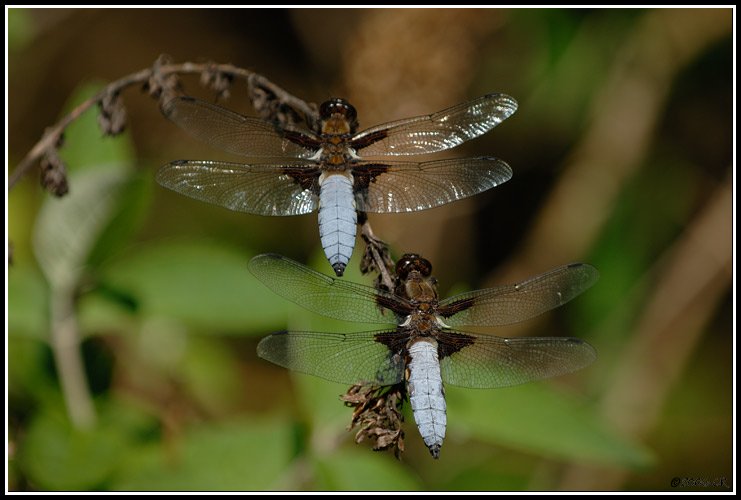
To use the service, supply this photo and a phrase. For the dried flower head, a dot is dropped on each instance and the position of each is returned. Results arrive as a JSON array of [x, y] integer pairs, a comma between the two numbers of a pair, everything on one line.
[[378, 415]]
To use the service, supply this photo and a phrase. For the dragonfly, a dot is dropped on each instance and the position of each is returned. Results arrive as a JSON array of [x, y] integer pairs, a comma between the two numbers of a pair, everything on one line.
[[421, 345], [296, 170]]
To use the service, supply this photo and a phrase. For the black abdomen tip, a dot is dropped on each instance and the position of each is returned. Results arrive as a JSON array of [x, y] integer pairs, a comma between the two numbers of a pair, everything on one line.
[[339, 268]]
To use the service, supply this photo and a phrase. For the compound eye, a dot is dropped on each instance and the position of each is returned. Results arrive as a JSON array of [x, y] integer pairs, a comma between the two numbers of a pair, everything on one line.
[[350, 112], [325, 110], [404, 265], [424, 267], [412, 262], [337, 106]]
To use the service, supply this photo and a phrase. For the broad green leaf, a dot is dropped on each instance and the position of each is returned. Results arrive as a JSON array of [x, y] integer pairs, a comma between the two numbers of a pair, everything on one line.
[[320, 401], [203, 284], [212, 374], [100, 312], [105, 203], [537, 419], [57, 456], [362, 470], [237, 456], [126, 217], [67, 228]]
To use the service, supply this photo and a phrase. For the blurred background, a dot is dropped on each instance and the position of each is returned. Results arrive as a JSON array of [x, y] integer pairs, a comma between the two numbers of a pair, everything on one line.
[[132, 319]]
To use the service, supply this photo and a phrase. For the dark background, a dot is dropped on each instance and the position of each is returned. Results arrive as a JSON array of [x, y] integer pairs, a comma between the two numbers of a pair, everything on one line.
[[622, 156]]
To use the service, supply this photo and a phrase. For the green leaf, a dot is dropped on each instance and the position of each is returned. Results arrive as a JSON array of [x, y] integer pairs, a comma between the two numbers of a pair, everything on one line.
[[502, 472], [537, 419], [106, 202], [127, 215], [247, 455], [362, 470], [100, 312], [85, 146], [30, 380], [212, 374], [23, 201], [57, 456], [203, 284], [67, 228], [320, 401], [28, 302]]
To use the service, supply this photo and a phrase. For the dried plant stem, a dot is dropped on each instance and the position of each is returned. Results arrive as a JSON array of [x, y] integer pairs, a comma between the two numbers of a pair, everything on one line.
[[53, 134], [68, 359], [376, 250]]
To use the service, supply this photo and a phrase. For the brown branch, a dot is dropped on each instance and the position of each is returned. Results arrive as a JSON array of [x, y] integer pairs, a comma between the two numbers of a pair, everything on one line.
[[278, 106], [377, 257], [160, 84]]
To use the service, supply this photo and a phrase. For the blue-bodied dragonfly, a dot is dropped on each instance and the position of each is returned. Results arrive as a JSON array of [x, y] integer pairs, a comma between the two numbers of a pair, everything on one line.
[[420, 345], [297, 171]]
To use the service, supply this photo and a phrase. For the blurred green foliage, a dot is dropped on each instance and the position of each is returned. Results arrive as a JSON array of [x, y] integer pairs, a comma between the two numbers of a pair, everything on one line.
[[169, 317], [515, 417], [20, 28]]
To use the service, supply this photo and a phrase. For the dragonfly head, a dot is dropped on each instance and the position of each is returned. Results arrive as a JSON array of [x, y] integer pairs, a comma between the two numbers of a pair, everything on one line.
[[337, 116], [412, 262]]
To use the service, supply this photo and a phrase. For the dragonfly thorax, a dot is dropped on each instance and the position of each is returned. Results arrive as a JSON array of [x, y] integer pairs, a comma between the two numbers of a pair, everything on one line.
[[420, 290], [336, 152], [421, 324]]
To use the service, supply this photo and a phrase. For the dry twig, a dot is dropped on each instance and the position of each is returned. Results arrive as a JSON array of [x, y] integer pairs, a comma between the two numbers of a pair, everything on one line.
[[161, 82]]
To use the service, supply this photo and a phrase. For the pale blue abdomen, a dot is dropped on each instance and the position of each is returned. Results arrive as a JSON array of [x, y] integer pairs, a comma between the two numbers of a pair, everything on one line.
[[426, 393], [337, 219]]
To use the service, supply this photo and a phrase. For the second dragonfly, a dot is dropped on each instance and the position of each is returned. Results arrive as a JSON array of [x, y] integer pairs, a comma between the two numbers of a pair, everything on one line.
[[329, 168]]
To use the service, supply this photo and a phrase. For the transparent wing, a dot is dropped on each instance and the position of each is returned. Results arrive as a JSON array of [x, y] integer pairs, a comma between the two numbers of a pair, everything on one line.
[[408, 186], [321, 294], [230, 131], [439, 131], [345, 358], [491, 362], [256, 189], [512, 303]]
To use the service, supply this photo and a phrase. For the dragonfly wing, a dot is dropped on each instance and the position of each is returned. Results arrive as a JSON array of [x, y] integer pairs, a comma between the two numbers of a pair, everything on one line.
[[322, 294], [509, 304], [345, 358], [486, 361], [265, 189], [232, 132], [407, 186], [436, 132]]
